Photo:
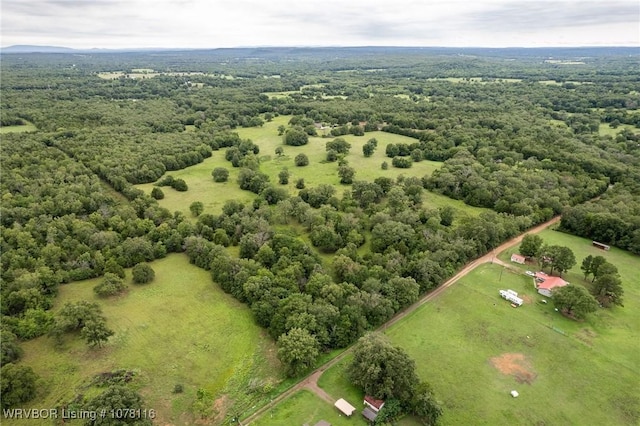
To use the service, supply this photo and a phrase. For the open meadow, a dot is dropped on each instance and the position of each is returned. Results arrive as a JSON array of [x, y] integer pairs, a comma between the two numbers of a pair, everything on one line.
[[474, 348], [172, 331], [214, 194]]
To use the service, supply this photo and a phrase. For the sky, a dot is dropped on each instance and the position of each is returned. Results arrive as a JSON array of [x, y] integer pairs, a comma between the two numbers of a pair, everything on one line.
[[88, 24]]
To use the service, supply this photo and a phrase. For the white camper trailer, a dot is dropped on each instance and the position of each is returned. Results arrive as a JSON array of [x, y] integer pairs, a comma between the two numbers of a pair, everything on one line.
[[511, 296]]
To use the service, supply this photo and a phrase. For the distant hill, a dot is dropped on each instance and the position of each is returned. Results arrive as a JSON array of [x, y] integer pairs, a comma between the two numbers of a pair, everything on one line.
[[267, 51], [36, 49]]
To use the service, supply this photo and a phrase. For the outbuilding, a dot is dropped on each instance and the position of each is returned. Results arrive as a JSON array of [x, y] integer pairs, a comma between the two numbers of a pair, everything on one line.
[[373, 403], [344, 407], [518, 258], [369, 414]]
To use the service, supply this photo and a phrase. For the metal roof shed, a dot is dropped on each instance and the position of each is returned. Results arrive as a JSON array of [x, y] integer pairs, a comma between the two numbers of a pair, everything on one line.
[[346, 408], [369, 414]]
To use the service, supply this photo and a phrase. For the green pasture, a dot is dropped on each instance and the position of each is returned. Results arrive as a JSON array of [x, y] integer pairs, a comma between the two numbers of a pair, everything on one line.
[[319, 171], [617, 324], [605, 129], [179, 329], [569, 367], [202, 187], [213, 195], [23, 128]]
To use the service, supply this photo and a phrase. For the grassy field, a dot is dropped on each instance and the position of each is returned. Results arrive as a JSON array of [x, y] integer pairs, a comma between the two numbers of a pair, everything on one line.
[[180, 329], [304, 407], [23, 128], [605, 129], [202, 187], [213, 195], [474, 348], [318, 171]]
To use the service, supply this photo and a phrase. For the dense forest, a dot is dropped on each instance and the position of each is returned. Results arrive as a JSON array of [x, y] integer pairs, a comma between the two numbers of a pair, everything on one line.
[[524, 137]]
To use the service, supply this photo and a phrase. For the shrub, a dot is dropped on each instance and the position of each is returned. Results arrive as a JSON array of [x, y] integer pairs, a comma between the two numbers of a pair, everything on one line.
[[18, 383], [401, 162], [385, 165], [296, 137], [143, 273], [300, 183], [157, 193], [301, 160], [196, 208], [220, 174], [283, 177], [110, 285]]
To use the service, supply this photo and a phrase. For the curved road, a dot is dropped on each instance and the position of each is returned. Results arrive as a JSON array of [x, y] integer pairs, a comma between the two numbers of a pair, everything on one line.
[[311, 381]]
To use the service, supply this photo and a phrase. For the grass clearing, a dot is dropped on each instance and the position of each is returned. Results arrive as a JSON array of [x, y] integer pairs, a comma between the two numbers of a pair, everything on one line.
[[175, 330], [571, 366], [213, 195], [21, 128], [606, 130], [321, 172], [202, 187]]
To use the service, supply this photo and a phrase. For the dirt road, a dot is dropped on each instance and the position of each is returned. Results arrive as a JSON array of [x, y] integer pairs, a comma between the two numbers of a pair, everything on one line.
[[311, 381]]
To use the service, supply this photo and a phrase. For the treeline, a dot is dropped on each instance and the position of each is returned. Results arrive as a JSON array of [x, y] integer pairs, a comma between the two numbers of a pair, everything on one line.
[[60, 223], [287, 286], [612, 219]]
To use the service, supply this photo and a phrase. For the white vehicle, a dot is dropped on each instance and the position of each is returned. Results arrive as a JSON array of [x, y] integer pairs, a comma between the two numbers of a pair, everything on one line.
[[531, 273], [511, 296]]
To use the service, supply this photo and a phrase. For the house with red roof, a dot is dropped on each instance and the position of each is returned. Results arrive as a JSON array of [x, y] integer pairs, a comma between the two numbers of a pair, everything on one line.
[[518, 258], [545, 284]]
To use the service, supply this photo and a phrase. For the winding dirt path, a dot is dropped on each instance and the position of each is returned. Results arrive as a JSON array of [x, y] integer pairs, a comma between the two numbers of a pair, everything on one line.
[[310, 382]]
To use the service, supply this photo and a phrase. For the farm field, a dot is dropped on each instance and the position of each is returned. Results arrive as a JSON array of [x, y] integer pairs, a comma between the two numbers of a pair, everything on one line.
[[474, 348], [168, 332]]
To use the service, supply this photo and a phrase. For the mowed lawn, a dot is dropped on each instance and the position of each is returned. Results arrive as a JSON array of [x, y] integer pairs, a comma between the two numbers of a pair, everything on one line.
[[474, 348], [304, 407], [179, 329]]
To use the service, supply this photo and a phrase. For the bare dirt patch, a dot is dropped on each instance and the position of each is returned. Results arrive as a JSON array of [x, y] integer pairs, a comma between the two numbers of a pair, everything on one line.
[[220, 407], [516, 365], [526, 299]]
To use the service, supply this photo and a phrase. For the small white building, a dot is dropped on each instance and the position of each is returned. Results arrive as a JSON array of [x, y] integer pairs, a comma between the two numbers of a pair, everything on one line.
[[511, 296], [344, 407]]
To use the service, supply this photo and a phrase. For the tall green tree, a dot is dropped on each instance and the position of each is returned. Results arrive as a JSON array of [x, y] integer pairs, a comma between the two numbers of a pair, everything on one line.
[[297, 350], [17, 384], [575, 301], [381, 369], [96, 332], [114, 398], [608, 290], [531, 245]]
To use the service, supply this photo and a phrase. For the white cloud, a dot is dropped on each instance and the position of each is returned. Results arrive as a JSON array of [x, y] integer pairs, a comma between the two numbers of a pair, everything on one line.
[[203, 23]]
